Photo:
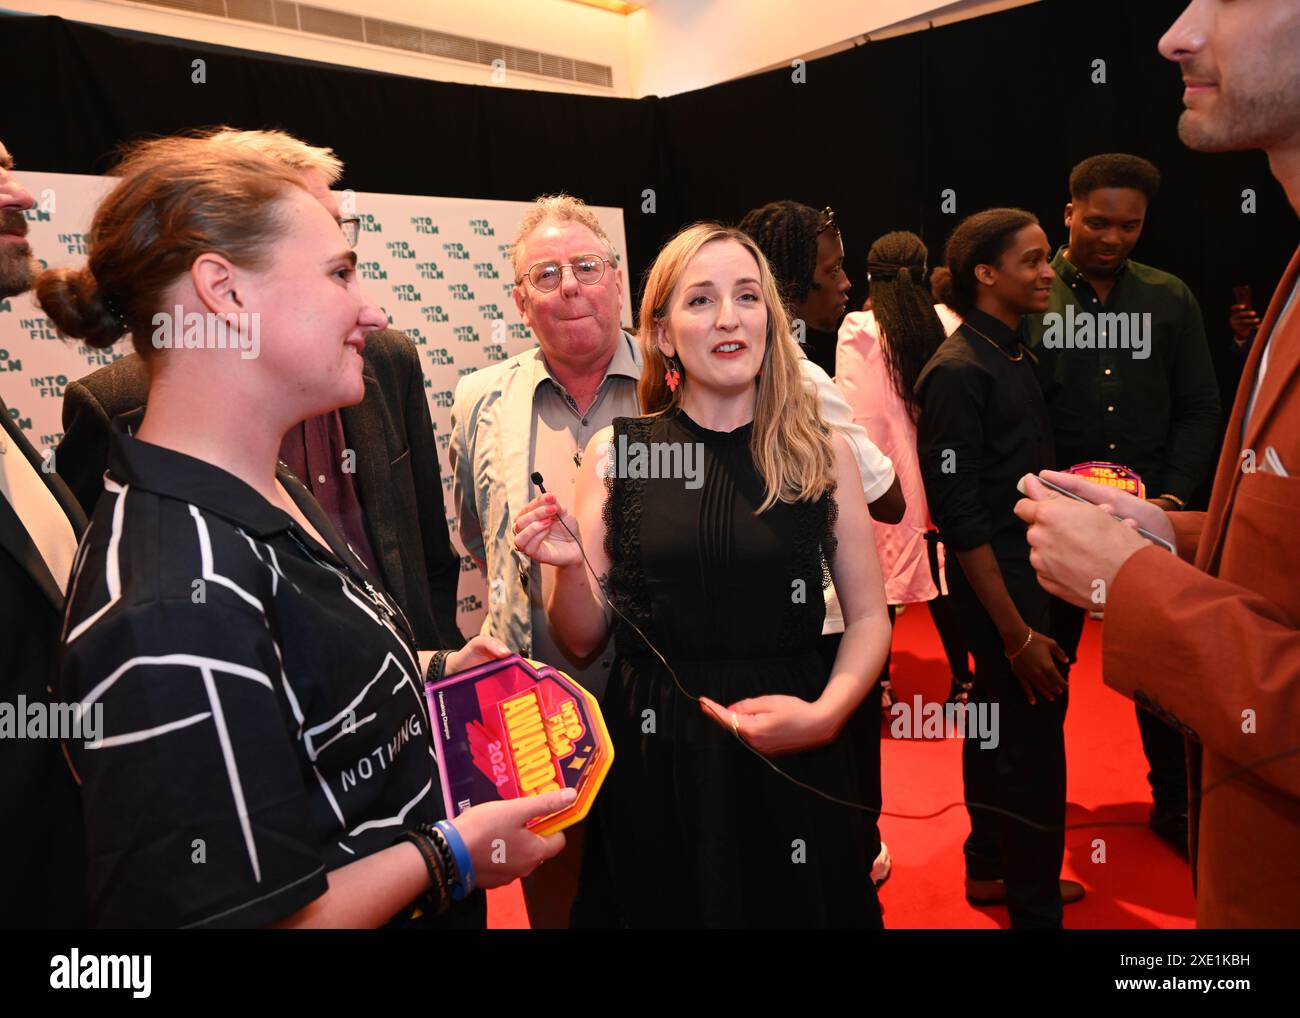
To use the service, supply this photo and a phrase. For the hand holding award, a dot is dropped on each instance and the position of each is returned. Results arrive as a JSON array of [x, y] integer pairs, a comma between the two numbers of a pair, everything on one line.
[[1078, 550], [1136, 512]]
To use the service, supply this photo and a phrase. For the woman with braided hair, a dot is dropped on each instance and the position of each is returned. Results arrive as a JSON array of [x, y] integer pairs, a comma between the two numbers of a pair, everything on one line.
[[878, 360], [806, 252]]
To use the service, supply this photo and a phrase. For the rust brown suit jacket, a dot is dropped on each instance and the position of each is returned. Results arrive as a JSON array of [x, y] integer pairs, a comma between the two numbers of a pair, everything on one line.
[[1210, 641]]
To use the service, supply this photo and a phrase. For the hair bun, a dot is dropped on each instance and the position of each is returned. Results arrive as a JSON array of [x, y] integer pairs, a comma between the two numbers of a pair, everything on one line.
[[941, 285], [78, 307]]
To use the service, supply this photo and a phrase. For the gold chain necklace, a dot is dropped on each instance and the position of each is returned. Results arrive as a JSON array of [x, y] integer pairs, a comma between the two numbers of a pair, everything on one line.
[[998, 346]]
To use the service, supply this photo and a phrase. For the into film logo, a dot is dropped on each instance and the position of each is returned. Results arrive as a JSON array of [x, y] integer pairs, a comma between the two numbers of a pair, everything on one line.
[[75, 971]]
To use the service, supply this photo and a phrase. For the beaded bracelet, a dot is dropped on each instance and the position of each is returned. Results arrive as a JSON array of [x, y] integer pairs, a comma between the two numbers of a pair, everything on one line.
[[445, 853], [433, 863]]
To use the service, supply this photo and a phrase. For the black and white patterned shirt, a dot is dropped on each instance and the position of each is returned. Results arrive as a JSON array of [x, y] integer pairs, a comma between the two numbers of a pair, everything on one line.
[[264, 719]]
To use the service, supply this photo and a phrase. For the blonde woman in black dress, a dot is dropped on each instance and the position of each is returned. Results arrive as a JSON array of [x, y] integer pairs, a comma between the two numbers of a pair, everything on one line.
[[720, 565]]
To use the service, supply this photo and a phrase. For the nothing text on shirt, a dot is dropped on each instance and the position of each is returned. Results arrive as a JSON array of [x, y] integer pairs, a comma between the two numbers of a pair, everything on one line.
[[364, 770]]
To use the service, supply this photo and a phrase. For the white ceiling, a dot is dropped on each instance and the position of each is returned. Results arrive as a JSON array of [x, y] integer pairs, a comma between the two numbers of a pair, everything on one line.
[[667, 47]]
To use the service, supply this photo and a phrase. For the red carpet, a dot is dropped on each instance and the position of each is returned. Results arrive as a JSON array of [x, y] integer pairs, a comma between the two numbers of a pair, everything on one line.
[[1142, 883]]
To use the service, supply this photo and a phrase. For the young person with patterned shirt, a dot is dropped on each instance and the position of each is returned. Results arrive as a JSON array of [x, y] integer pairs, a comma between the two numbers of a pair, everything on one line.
[[373, 467], [264, 756]]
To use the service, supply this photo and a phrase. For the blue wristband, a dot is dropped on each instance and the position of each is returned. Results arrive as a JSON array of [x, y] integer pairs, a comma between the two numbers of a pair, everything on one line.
[[464, 867]]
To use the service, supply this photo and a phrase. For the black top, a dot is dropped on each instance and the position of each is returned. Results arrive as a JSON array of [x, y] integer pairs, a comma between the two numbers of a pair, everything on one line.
[[819, 346], [696, 829], [264, 718], [1152, 406], [983, 426]]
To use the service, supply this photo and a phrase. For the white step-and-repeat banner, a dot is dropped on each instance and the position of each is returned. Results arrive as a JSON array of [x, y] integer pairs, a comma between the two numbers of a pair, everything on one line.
[[439, 266]]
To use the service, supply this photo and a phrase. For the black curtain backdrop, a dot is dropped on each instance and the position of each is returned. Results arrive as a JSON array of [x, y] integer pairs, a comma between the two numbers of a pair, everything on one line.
[[998, 109]]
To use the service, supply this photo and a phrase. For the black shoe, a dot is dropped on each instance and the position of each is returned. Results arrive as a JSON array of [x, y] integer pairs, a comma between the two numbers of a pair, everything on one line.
[[981, 893], [1172, 826]]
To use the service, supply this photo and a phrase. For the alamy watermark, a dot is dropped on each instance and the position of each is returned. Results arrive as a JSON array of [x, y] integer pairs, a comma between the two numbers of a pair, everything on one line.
[[40, 720], [178, 330], [1087, 330], [934, 720], [75, 971], [653, 461]]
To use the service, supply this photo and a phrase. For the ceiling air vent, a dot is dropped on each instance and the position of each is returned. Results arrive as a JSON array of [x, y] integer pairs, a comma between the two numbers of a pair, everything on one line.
[[393, 35]]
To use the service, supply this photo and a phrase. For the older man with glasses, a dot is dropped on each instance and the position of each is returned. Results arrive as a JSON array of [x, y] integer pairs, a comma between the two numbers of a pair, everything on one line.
[[351, 227], [536, 412]]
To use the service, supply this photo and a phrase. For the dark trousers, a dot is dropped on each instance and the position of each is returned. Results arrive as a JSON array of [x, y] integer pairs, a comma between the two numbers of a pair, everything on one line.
[[1165, 748], [947, 623], [1015, 791], [864, 735]]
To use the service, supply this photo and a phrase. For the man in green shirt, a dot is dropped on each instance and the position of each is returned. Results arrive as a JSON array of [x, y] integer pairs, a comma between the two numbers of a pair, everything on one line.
[[1126, 371]]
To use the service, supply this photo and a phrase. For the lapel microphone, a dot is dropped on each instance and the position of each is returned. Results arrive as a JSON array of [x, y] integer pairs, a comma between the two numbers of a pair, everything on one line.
[[602, 587]]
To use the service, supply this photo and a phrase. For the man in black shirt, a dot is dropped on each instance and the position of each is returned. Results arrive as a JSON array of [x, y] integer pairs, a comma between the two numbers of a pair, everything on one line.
[[1125, 365], [1128, 378], [983, 426]]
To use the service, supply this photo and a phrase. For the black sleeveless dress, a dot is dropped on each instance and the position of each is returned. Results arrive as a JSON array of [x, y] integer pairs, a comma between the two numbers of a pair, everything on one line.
[[693, 828]]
